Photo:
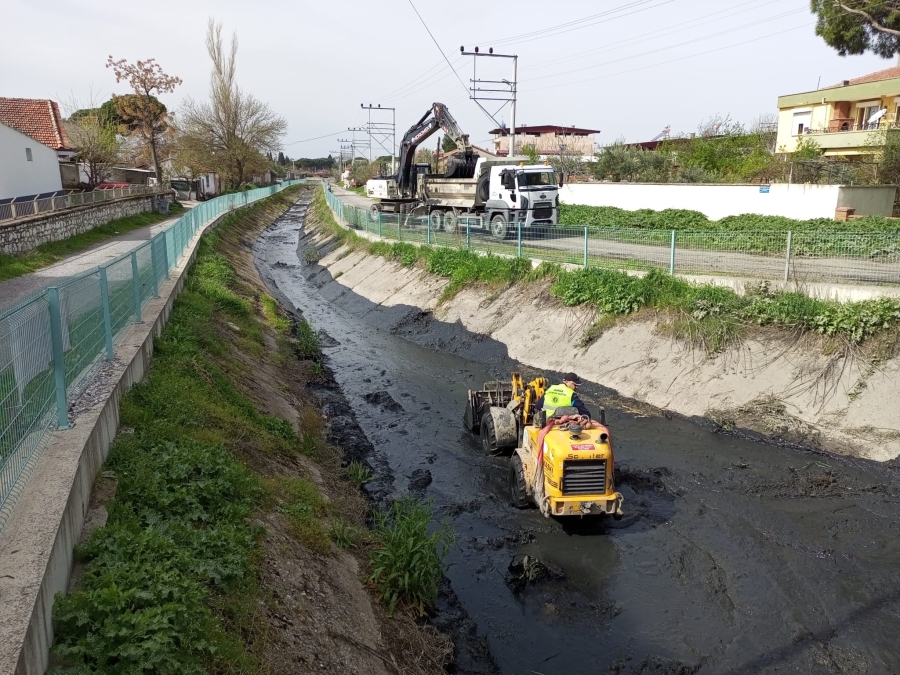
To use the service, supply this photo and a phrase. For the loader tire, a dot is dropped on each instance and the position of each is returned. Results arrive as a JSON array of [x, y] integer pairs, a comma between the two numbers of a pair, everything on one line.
[[518, 490], [488, 435]]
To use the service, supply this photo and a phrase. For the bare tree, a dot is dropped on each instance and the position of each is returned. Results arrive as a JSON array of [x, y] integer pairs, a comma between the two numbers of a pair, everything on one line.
[[147, 80], [93, 136], [234, 126], [566, 158]]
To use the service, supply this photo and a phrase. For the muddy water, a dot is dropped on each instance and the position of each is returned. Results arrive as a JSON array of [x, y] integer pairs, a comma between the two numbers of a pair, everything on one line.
[[734, 557]]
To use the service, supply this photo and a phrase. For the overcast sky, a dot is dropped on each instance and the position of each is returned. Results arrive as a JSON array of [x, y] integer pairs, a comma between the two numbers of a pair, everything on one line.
[[625, 67]]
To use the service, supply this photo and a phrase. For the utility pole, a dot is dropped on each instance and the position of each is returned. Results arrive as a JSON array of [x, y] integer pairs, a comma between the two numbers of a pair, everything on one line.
[[382, 132], [479, 92], [360, 144]]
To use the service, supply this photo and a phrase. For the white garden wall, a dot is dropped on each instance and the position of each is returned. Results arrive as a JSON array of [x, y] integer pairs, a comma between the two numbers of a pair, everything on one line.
[[717, 201]]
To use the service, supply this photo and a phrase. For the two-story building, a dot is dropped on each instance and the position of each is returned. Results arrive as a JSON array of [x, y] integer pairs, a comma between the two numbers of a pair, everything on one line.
[[841, 119], [549, 140]]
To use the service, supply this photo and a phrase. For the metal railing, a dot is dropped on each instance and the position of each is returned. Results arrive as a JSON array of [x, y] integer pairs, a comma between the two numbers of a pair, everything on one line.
[[833, 257], [14, 209], [52, 343]]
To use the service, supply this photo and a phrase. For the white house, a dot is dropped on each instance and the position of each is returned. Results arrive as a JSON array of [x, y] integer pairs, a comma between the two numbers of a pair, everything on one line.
[[27, 167]]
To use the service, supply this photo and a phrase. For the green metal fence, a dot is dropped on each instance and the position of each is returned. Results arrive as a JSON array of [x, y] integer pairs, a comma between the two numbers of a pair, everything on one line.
[[51, 343], [837, 257]]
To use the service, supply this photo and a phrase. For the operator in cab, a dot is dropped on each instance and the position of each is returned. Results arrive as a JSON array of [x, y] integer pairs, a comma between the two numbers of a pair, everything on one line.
[[561, 395]]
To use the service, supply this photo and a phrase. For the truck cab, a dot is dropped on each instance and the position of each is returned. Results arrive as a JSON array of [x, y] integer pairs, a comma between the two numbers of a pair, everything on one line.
[[526, 195]]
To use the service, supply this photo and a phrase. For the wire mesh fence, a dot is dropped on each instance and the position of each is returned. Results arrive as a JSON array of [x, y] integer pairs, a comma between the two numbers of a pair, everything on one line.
[[50, 344], [832, 257]]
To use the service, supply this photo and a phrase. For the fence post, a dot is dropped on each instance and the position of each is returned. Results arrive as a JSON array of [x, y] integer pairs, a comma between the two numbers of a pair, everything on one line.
[[468, 233], [59, 362], [519, 246], [107, 319], [585, 248], [400, 229], [165, 248], [136, 278], [153, 262], [428, 231], [672, 255], [787, 258], [379, 224]]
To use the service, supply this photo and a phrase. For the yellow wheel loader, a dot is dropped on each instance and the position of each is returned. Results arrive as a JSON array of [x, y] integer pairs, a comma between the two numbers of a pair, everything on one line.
[[563, 463]]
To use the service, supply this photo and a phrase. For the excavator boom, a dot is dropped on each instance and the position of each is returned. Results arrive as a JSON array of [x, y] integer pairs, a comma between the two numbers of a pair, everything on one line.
[[438, 117]]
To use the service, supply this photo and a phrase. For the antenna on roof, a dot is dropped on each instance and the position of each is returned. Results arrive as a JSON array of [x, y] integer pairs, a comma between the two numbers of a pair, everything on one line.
[[819, 82]]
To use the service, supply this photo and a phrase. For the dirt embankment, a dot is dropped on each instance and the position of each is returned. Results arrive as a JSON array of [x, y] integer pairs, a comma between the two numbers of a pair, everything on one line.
[[792, 390]]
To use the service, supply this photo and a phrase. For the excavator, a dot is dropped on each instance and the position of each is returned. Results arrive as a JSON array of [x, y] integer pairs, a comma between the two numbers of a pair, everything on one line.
[[495, 194], [563, 463]]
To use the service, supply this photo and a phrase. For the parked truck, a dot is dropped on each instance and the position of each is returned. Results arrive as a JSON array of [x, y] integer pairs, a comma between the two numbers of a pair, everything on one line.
[[495, 194]]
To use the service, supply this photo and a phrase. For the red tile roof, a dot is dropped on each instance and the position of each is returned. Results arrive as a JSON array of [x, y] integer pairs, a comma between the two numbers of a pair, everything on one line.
[[37, 118], [886, 74], [546, 129]]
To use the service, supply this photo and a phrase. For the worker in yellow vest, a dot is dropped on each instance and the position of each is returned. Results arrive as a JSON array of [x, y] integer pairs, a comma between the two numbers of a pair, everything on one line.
[[562, 395]]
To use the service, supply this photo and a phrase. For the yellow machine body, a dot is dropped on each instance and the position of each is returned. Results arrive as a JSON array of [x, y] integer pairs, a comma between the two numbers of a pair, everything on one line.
[[578, 471]]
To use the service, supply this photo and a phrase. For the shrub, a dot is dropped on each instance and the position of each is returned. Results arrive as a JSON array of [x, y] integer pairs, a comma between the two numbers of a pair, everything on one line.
[[408, 562]]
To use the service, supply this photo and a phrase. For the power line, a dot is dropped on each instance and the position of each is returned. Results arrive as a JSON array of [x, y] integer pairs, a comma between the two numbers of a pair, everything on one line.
[[548, 32], [656, 65], [679, 44], [463, 84], [317, 138], [438, 46], [646, 36]]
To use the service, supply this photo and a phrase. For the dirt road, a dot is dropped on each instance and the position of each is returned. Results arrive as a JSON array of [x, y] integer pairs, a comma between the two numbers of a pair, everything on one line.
[[734, 557]]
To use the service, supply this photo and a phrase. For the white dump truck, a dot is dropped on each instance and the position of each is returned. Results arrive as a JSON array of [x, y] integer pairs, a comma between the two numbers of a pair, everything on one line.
[[496, 194]]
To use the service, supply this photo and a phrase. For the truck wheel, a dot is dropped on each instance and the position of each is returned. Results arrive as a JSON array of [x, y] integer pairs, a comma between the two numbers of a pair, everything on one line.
[[435, 220], [374, 210], [518, 490], [499, 226], [451, 221]]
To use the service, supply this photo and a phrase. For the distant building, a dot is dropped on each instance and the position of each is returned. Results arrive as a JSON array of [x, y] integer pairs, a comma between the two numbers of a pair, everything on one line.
[[842, 117], [549, 140]]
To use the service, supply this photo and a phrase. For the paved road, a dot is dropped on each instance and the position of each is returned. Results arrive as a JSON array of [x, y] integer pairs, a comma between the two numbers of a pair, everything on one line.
[[13, 290], [803, 269]]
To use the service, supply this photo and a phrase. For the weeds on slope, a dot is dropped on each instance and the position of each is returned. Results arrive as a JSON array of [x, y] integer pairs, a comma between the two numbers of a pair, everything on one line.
[[170, 582], [52, 252], [178, 541], [408, 562]]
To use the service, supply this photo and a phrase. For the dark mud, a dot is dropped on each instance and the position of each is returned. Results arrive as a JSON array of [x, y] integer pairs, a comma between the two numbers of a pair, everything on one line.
[[733, 557]]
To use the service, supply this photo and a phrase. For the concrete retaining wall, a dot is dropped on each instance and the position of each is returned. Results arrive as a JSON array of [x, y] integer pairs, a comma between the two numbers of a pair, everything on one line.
[[718, 201], [36, 546], [23, 235]]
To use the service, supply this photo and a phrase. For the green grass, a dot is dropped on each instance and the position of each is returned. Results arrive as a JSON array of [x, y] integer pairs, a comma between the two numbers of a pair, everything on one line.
[[166, 577], [47, 254], [358, 473], [409, 560]]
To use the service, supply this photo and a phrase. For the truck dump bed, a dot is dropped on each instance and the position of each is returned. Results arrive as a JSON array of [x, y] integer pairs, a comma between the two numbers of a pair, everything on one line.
[[458, 192]]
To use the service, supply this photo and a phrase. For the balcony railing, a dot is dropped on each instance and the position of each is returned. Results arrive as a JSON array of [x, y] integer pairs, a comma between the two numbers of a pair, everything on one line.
[[834, 128]]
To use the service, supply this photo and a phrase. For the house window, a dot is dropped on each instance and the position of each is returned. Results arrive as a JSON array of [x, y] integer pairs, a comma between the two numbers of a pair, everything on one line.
[[864, 114], [28, 157], [802, 122]]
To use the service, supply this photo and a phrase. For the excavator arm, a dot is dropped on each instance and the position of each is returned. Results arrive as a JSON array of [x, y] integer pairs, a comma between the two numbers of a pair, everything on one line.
[[438, 117]]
